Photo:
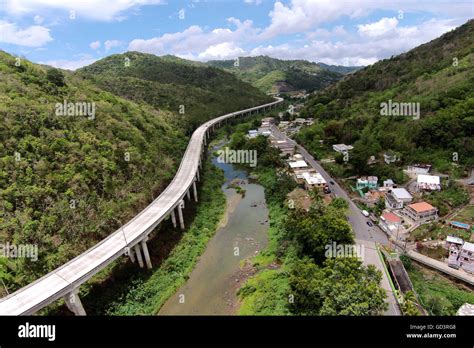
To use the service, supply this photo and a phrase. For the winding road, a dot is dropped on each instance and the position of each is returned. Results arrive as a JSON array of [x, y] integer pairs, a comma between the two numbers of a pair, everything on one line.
[[364, 235]]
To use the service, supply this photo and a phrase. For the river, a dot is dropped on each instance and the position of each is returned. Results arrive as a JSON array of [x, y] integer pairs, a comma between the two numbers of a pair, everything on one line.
[[221, 270]]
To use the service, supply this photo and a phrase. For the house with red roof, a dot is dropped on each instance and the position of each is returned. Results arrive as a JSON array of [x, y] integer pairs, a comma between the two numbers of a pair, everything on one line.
[[421, 212], [390, 222]]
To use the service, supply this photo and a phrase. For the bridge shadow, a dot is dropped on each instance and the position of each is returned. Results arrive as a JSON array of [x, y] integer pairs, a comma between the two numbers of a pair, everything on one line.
[[106, 287]]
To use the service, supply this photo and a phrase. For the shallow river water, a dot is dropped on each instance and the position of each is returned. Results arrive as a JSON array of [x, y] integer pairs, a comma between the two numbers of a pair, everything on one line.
[[211, 287]]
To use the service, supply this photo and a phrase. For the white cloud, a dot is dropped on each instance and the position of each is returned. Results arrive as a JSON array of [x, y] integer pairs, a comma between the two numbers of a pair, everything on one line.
[[95, 45], [70, 64], [109, 44], [360, 50], [225, 50], [33, 36], [304, 15], [194, 41], [379, 28], [105, 10]]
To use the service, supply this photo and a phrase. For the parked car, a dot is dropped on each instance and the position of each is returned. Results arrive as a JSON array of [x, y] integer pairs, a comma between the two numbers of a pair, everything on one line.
[[331, 182], [365, 213], [369, 223]]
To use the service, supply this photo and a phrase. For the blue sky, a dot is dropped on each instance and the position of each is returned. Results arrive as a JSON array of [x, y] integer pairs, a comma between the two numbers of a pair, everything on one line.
[[70, 34]]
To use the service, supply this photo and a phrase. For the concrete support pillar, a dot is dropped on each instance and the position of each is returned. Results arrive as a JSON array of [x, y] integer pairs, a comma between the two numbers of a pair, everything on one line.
[[188, 194], [197, 175], [195, 191], [131, 255], [146, 253], [139, 255], [173, 218], [180, 214], [73, 302]]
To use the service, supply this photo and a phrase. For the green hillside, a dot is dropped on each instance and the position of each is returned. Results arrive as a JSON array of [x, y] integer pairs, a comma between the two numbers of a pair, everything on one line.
[[276, 75], [173, 83], [438, 75], [69, 180], [340, 68]]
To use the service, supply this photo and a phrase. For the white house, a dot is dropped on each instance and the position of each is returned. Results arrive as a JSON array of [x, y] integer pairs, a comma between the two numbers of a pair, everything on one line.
[[389, 157], [342, 148], [298, 164], [419, 168], [450, 240], [397, 197], [466, 257], [313, 180], [388, 184], [466, 309], [428, 182]]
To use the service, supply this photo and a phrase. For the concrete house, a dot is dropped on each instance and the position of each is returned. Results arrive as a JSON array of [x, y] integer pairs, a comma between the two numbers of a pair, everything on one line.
[[421, 212], [389, 157], [466, 257], [419, 168], [428, 182], [313, 180], [342, 148], [396, 198], [370, 182], [390, 223]]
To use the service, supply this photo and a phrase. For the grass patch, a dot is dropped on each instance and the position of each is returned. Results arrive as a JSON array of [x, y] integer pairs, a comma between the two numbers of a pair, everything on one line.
[[437, 230], [438, 295], [265, 294]]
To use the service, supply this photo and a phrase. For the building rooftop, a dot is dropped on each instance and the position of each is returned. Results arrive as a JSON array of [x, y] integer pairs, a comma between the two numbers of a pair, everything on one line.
[[420, 165], [401, 193], [342, 147], [298, 164], [453, 239], [468, 246], [421, 207], [466, 309], [313, 178], [428, 179], [391, 217]]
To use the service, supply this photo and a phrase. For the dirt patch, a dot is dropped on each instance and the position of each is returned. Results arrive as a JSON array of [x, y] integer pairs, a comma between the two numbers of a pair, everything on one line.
[[238, 278]]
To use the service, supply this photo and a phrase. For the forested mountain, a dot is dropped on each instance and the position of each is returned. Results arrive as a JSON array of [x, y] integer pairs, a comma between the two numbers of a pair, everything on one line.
[[438, 75], [340, 68], [276, 75], [69, 178], [172, 83]]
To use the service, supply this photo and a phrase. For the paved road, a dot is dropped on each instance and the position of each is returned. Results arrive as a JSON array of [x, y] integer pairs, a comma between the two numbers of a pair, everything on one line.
[[364, 234], [70, 276]]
